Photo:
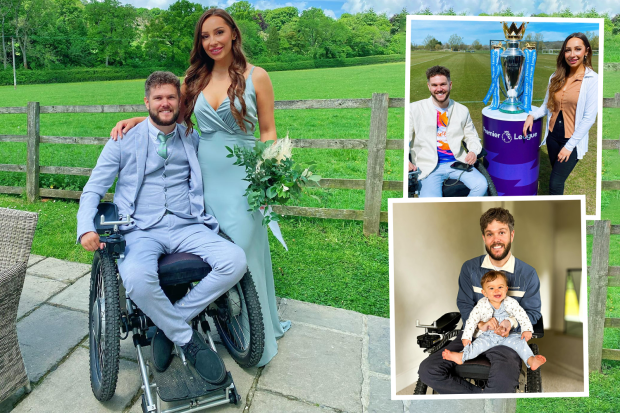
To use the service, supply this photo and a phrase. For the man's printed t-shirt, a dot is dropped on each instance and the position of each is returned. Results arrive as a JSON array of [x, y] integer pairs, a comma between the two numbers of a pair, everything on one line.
[[443, 149]]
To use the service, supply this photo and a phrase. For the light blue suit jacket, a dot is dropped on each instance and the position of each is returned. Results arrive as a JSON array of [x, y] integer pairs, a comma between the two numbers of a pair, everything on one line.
[[127, 159]]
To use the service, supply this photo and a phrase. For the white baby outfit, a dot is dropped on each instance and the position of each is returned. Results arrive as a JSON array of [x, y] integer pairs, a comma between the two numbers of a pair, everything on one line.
[[484, 311]]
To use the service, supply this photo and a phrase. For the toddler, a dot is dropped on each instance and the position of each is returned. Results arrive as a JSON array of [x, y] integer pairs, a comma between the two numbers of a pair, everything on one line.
[[496, 304]]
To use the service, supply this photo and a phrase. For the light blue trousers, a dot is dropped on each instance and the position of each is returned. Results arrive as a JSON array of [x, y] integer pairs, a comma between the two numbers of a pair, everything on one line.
[[432, 184], [172, 234], [489, 339]]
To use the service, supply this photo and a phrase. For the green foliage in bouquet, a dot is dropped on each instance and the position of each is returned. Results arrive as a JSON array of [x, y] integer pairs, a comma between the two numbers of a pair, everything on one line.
[[273, 176]]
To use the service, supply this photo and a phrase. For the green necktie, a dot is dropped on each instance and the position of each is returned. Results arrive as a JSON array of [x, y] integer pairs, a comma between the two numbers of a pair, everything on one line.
[[162, 149]]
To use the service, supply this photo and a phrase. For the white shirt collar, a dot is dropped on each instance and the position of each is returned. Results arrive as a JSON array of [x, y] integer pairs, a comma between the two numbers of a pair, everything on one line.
[[508, 267]]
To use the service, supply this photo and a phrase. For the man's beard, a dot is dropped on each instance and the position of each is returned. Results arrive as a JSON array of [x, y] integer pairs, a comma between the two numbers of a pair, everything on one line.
[[157, 120], [446, 97], [504, 254]]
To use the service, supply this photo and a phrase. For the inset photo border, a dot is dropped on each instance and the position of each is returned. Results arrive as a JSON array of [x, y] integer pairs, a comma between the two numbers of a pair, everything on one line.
[[462, 44], [437, 255]]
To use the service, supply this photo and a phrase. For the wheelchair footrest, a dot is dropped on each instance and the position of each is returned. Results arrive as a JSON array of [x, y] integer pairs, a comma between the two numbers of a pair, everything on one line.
[[182, 382]]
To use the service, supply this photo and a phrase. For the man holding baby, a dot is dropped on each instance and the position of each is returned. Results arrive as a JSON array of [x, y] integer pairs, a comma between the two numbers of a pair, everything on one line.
[[497, 226]]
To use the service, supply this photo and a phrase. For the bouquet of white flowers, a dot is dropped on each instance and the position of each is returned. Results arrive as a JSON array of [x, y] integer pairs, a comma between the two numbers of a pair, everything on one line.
[[273, 176]]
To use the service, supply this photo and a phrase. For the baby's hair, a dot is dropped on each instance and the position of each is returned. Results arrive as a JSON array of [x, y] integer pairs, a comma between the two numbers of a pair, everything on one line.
[[491, 276]]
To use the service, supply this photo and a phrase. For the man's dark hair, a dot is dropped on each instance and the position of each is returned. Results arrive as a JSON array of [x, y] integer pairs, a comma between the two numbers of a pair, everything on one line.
[[491, 276], [437, 70], [497, 214], [160, 78]]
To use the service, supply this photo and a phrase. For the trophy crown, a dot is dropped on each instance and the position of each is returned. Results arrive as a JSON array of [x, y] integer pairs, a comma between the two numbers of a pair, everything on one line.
[[512, 32]]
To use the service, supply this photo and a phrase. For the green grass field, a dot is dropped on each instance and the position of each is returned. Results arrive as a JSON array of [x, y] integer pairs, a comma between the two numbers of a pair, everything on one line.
[[353, 82], [329, 262], [471, 76]]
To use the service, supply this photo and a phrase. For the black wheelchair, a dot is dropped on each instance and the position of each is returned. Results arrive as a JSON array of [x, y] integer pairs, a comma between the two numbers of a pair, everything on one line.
[[454, 187], [113, 315], [439, 334]]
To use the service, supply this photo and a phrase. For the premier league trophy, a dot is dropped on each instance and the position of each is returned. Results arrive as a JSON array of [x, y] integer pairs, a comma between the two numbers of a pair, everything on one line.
[[513, 159]]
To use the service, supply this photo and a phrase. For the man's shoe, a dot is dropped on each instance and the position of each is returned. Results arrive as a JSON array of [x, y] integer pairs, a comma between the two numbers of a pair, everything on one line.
[[207, 362], [161, 349]]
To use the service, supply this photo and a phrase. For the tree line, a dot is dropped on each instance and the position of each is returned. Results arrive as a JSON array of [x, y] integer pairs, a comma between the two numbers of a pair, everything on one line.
[[456, 43], [56, 34]]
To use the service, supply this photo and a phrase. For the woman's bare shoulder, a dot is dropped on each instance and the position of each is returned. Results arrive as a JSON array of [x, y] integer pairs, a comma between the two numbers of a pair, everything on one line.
[[259, 75]]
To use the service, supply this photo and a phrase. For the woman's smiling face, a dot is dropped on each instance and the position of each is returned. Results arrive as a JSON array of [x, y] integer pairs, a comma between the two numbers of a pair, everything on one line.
[[575, 52], [217, 37]]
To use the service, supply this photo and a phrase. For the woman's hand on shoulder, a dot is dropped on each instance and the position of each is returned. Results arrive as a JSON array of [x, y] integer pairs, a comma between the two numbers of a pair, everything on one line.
[[123, 127]]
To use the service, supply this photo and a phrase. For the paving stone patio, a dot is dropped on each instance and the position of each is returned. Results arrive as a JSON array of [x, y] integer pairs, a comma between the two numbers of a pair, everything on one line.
[[332, 360]]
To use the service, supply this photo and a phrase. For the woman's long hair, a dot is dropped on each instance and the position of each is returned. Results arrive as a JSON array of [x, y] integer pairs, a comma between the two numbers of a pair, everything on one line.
[[563, 69], [198, 74]]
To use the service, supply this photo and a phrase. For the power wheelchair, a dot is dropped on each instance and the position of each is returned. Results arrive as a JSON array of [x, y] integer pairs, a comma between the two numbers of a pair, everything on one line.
[[454, 187], [113, 316], [439, 334]]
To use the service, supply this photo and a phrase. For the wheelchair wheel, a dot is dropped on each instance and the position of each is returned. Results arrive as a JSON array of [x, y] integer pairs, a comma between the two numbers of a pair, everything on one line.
[[420, 388], [491, 190], [103, 327], [534, 380], [239, 322]]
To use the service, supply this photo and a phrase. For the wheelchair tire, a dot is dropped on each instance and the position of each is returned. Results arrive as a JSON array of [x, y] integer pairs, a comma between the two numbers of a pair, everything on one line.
[[420, 388], [242, 334], [534, 380], [103, 327], [491, 190]]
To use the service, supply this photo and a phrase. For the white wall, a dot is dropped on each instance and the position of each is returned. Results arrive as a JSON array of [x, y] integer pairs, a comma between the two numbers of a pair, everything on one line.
[[431, 243]]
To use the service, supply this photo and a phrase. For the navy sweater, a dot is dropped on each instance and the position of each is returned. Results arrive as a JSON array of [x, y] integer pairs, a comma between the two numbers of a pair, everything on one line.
[[523, 286]]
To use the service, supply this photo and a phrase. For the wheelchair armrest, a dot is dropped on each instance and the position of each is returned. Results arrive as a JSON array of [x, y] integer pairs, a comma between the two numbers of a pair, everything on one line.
[[482, 154], [444, 324], [539, 330], [110, 211]]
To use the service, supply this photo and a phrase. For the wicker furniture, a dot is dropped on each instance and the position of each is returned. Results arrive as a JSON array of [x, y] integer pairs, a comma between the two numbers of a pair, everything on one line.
[[16, 234]]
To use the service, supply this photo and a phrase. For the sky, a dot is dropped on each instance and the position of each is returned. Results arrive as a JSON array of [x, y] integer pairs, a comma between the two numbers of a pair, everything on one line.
[[485, 31], [334, 8]]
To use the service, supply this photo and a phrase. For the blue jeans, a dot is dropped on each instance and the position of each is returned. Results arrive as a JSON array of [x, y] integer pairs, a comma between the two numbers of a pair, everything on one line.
[[431, 185], [489, 339]]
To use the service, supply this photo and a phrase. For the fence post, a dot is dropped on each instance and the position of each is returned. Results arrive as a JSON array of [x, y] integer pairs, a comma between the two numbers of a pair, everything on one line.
[[598, 293], [34, 138], [377, 141]]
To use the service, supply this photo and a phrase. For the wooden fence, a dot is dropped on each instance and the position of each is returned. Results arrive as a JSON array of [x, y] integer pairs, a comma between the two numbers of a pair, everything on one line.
[[601, 276], [613, 144], [376, 144]]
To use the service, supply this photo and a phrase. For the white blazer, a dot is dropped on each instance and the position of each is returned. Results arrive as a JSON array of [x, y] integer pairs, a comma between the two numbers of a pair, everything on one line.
[[423, 124], [587, 108]]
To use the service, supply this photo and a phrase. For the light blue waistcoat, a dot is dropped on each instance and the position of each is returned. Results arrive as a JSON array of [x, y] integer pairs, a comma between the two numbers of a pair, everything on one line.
[[165, 185]]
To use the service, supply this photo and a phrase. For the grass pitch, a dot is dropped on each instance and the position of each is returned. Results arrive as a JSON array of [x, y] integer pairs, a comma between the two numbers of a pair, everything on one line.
[[471, 77]]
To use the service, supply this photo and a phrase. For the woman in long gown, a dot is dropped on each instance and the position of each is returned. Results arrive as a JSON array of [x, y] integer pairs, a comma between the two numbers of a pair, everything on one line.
[[218, 76]]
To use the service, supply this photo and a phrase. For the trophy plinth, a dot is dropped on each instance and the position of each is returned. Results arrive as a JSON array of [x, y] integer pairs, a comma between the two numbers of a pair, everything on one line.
[[513, 160]]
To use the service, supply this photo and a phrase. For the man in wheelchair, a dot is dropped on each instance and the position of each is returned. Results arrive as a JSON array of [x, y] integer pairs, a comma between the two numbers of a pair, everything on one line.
[[441, 126], [437, 372], [160, 187]]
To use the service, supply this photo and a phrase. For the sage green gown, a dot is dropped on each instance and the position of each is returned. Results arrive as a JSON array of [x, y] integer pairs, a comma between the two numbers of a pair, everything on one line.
[[223, 190]]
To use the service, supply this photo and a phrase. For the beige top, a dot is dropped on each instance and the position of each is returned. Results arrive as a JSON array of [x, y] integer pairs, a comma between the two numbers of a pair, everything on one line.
[[566, 101]]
